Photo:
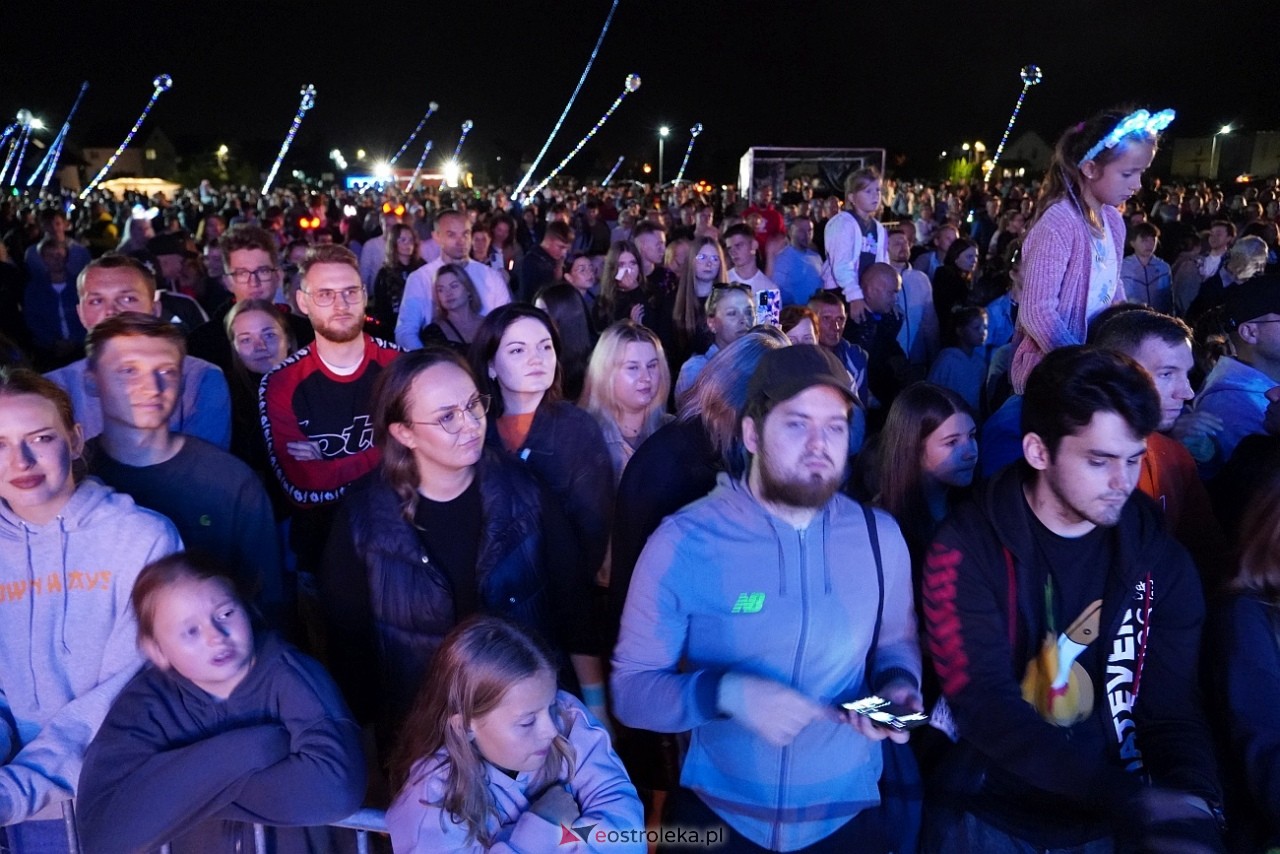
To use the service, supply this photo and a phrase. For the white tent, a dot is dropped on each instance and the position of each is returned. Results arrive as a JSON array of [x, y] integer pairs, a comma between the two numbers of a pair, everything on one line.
[[149, 186]]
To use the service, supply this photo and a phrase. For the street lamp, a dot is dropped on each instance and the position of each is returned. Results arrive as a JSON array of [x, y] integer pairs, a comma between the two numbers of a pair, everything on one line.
[[663, 132], [1213, 151]]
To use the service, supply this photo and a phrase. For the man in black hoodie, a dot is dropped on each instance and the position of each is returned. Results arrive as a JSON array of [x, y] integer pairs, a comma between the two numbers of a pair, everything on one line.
[[1064, 625]]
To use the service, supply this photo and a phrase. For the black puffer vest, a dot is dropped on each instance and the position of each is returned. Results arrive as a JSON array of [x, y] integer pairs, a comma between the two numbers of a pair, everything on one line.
[[412, 604]]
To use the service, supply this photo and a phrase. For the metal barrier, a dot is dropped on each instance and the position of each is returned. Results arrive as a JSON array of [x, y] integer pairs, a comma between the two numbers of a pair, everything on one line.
[[363, 822]]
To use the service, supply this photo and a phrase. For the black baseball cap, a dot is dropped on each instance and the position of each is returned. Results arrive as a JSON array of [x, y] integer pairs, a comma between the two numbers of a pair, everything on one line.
[[1252, 299], [783, 373]]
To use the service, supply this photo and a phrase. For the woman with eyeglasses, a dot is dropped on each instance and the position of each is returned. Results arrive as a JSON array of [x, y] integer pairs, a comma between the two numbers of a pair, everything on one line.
[[446, 529]]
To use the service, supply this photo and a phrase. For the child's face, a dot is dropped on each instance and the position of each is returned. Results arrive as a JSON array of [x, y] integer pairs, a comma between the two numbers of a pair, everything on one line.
[[517, 733], [1114, 183], [201, 630], [1145, 246]]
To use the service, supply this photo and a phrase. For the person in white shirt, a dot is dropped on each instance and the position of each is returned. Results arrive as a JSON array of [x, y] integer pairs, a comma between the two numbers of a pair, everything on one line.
[[453, 234]]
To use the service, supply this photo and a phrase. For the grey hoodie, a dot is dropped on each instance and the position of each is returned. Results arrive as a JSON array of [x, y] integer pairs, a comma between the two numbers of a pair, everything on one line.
[[67, 636]]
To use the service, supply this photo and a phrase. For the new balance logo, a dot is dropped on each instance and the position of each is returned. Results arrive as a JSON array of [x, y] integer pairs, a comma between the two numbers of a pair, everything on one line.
[[748, 603]]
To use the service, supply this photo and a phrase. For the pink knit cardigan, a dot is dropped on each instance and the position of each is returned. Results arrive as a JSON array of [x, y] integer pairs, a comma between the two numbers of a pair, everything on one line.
[[1057, 257]]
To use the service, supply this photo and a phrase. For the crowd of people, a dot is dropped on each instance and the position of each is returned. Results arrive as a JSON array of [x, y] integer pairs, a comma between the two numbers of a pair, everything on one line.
[[589, 521]]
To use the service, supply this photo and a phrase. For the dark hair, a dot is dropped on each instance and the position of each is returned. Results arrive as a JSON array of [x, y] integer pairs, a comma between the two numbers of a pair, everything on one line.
[[391, 406], [963, 315], [557, 230], [957, 247], [484, 346], [646, 227], [248, 237], [1072, 384], [568, 311], [1226, 224], [1127, 330], [824, 296], [1258, 543], [130, 323], [793, 315], [169, 570], [1144, 229], [919, 410], [740, 229]]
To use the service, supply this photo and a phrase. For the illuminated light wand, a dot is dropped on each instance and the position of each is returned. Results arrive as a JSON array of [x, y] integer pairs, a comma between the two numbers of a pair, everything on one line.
[[431, 108], [631, 84], [23, 126], [1031, 75], [421, 162], [308, 101], [52, 156], [5, 134], [466, 129], [609, 177], [693, 134], [162, 84], [560, 121]]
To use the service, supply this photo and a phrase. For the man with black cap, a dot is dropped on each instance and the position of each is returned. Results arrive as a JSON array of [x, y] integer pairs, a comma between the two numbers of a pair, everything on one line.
[[1236, 388], [168, 251], [753, 614]]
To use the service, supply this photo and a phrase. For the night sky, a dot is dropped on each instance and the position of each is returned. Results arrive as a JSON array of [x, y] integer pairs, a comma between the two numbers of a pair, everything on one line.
[[789, 72]]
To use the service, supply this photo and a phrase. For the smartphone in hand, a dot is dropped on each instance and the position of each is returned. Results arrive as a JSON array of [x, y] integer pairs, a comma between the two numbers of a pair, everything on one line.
[[884, 713]]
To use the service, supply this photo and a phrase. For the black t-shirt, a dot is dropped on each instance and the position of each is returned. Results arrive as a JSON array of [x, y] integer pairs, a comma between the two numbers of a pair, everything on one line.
[[1078, 568], [450, 532]]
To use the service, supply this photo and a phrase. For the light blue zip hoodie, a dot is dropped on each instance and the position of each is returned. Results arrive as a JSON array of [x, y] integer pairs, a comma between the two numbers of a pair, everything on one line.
[[725, 586], [67, 636]]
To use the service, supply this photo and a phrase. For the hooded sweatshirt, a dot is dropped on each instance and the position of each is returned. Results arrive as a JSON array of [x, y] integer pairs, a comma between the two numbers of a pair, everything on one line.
[[986, 614], [724, 585], [67, 636], [1236, 393], [172, 763]]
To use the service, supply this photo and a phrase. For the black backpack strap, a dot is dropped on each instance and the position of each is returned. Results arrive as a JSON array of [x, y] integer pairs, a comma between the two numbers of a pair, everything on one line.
[[873, 535]]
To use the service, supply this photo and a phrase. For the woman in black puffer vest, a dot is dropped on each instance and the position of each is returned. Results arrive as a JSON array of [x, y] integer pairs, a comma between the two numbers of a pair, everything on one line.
[[444, 529]]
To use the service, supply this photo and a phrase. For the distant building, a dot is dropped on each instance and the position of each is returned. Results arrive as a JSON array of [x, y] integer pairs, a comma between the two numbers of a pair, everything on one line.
[[1028, 152], [152, 156], [1226, 156]]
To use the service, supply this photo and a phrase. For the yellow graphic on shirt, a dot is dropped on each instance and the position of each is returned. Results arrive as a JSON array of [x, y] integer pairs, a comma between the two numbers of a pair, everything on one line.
[[1055, 683]]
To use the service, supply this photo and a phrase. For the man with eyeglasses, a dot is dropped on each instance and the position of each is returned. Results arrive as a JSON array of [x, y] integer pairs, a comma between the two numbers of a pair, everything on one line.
[[317, 406], [1235, 390], [115, 284], [251, 262]]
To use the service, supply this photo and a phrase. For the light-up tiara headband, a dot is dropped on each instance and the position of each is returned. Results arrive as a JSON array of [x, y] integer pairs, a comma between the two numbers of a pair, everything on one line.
[[1141, 121]]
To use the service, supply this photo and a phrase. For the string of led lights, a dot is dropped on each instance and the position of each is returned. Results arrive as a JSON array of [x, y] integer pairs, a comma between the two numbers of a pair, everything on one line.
[[609, 177], [466, 129], [560, 121], [693, 134], [162, 84], [308, 101], [22, 148], [55, 148], [421, 162], [431, 108], [1031, 75], [21, 126], [631, 84]]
